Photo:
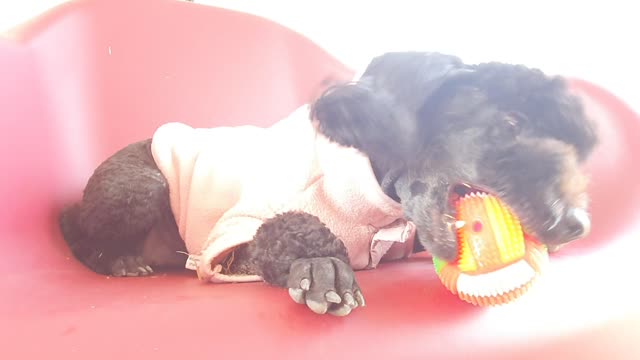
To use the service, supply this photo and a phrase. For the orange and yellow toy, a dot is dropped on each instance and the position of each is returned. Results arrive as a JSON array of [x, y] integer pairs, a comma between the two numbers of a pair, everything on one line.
[[497, 262]]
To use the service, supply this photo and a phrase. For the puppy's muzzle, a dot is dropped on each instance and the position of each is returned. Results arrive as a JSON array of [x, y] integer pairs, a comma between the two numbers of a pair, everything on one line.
[[572, 225]]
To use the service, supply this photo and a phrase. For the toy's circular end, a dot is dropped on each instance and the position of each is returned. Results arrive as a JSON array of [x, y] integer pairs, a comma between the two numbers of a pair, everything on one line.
[[496, 262]]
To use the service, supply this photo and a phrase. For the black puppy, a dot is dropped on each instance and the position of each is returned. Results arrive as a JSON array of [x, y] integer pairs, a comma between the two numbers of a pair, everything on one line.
[[432, 127]]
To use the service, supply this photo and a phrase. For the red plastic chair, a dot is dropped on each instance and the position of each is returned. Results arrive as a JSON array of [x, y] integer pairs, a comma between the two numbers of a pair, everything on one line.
[[88, 77]]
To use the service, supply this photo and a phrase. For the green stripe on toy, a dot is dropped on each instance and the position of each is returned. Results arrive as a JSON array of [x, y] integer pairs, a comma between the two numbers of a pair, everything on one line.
[[438, 264]]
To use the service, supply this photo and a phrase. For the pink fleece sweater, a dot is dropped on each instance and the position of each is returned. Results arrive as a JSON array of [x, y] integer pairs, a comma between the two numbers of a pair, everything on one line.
[[225, 182]]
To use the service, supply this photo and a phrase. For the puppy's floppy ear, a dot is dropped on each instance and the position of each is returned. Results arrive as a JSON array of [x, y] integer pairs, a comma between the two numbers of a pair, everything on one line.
[[412, 77], [377, 114], [358, 116]]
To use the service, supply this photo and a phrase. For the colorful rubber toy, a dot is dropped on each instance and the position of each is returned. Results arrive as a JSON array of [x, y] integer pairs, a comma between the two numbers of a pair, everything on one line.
[[497, 263]]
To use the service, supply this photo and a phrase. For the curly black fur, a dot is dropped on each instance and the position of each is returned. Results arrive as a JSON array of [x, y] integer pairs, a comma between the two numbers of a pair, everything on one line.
[[288, 237], [126, 197]]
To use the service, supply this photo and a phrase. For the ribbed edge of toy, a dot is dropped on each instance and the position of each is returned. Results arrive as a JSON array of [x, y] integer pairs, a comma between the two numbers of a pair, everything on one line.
[[449, 277], [536, 257]]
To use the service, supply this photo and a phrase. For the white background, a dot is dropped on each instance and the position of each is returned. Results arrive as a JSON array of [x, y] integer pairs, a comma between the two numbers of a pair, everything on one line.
[[596, 40]]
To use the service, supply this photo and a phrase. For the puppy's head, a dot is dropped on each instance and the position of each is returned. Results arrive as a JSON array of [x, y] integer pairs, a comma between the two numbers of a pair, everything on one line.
[[435, 129]]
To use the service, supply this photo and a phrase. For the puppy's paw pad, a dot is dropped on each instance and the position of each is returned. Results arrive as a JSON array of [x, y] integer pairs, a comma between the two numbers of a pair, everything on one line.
[[130, 266], [324, 285]]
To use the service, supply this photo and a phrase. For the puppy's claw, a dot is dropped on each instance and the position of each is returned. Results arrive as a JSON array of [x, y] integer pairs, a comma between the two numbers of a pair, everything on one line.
[[333, 297], [119, 272], [349, 300], [343, 310], [297, 295], [305, 284], [317, 307], [360, 298]]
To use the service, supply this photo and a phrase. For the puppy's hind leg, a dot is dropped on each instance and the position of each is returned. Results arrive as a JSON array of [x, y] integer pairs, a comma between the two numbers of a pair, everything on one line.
[[126, 197]]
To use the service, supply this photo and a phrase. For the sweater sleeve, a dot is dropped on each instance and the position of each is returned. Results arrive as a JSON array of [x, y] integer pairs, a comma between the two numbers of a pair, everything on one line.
[[233, 230]]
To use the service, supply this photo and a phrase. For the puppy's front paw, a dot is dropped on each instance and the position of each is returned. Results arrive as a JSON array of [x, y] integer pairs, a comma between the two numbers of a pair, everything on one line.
[[325, 285]]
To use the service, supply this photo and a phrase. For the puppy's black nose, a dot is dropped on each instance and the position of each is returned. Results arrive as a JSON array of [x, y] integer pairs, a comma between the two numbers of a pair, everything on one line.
[[577, 223]]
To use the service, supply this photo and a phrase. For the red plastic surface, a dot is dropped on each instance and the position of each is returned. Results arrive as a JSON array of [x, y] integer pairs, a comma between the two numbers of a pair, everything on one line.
[[89, 77]]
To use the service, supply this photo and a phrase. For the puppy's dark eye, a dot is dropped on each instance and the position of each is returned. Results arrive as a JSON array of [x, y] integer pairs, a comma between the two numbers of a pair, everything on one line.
[[418, 188]]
